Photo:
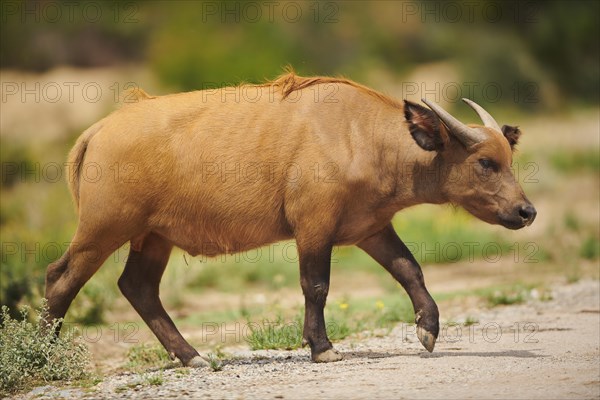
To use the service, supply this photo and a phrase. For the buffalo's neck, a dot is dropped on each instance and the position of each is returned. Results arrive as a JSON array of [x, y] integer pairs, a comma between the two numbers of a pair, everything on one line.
[[416, 175], [426, 178]]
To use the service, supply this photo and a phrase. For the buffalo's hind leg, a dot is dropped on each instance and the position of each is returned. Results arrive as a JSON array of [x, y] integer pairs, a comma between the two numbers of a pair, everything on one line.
[[315, 270], [387, 249], [140, 284], [66, 276]]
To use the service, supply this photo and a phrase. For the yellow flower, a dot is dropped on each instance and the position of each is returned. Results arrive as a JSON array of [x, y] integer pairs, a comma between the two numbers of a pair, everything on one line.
[[379, 304], [343, 306]]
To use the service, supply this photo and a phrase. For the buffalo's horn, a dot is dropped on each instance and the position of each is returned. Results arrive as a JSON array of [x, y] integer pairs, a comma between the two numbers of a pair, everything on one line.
[[468, 136], [485, 116]]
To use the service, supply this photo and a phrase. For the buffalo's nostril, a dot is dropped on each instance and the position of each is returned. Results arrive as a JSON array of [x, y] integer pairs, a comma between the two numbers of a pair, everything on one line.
[[528, 212]]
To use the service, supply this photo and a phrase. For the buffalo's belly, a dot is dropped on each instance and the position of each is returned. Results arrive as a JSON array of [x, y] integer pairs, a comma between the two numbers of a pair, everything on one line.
[[212, 238]]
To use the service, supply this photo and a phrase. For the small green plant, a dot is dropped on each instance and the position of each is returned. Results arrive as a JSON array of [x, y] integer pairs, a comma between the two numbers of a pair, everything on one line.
[[31, 352], [143, 356], [470, 321], [154, 379], [506, 297], [214, 362], [219, 352]]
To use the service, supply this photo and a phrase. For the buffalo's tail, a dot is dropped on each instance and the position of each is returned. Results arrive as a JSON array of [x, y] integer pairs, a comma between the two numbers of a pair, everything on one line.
[[75, 160]]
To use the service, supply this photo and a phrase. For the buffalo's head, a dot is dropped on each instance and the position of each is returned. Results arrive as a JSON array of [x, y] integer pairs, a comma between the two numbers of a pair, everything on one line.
[[477, 162]]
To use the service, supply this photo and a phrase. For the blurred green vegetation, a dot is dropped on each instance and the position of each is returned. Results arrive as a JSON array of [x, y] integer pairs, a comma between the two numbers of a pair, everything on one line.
[[545, 53], [576, 161]]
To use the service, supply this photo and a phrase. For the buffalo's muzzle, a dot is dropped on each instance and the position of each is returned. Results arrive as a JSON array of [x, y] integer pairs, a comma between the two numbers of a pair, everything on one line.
[[521, 216], [527, 212]]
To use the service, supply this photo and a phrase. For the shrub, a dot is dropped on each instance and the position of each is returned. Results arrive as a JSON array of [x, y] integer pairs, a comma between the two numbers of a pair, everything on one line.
[[31, 353], [590, 249]]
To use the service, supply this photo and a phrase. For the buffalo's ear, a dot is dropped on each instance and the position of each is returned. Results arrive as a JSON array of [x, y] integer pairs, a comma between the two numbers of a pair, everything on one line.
[[512, 134], [424, 126]]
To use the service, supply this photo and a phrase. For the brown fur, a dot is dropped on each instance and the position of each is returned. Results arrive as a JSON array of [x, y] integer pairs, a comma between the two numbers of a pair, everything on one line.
[[290, 82], [324, 161]]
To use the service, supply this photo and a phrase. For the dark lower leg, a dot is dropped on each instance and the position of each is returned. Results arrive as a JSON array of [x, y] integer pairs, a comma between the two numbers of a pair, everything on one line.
[[314, 279], [66, 276], [140, 284], [315, 332], [387, 249], [58, 294]]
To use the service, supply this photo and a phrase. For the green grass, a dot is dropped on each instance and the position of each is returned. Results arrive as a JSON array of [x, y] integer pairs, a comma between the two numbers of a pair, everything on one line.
[[343, 319], [279, 333], [506, 297], [386, 316], [144, 356], [276, 333]]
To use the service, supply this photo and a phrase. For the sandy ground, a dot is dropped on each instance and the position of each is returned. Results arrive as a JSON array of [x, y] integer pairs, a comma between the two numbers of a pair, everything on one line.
[[542, 349]]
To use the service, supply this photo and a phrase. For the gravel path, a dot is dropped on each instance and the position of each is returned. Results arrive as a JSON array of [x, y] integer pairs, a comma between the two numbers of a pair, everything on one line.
[[535, 350]]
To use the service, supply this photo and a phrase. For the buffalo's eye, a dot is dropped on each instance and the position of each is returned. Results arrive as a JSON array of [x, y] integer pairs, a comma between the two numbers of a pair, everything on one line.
[[488, 164]]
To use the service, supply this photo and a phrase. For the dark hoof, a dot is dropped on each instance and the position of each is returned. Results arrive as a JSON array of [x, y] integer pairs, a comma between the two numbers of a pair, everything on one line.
[[426, 338], [427, 328]]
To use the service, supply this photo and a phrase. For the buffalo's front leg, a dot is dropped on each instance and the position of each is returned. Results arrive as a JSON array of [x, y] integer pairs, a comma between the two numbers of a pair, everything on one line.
[[388, 250], [314, 278]]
